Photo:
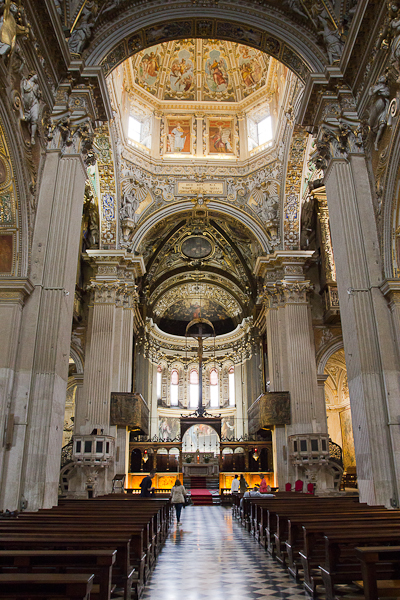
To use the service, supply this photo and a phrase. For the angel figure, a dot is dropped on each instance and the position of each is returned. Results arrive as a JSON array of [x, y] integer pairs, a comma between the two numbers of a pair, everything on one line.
[[9, 28], [379, 109]]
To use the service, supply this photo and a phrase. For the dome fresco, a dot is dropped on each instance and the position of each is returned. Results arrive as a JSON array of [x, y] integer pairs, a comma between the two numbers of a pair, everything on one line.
[[201, 70]]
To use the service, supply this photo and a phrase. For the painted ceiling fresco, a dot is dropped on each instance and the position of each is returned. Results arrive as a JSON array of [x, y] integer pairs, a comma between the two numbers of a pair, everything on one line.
[[201, 70]]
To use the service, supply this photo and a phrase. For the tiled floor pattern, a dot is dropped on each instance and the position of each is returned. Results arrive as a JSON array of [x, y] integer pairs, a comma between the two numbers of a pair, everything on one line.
[[211, 557]]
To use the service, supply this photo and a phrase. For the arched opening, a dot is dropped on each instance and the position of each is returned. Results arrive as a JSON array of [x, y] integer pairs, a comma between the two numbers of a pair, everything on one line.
[[200, 439], [136, 461], [337, 397]]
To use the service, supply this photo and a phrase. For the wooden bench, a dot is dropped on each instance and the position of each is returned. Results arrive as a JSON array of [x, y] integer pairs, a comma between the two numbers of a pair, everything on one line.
[[124, 574], [45, 585], [98, 562], [335, 559], [370, 557]]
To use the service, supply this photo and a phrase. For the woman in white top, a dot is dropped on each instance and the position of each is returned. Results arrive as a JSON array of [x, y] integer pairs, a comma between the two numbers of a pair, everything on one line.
[[178, 495]]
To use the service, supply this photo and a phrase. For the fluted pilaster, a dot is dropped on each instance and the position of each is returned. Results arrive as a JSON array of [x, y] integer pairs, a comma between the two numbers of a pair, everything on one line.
[[371, 356]]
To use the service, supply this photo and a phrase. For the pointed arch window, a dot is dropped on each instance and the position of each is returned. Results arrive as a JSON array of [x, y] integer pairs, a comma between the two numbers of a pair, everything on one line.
[[174, 387], [159, 378], [193, 388], [231, 386], [214, 389]]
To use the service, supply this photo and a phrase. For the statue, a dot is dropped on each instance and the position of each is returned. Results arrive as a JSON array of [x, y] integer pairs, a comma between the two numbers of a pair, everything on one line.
[[395, 46], [30, 94], [332, 40], [81, 34], [129, 206], [9, 28], [379, 109]]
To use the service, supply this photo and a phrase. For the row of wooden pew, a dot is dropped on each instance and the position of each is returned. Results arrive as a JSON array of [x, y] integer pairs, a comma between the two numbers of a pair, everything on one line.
[[83, 547], [329, 541]]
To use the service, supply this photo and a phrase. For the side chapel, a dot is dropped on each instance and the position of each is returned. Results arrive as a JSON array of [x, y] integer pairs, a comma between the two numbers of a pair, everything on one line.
[[199, 245]]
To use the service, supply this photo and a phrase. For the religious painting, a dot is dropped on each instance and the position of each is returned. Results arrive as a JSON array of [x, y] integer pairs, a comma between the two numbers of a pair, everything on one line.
[[178, 136], [168, 428], [180, 78], [349, 458], [220, 136], [149, 68], [187, 309], [6, 253], [251, 68], [228, 427]]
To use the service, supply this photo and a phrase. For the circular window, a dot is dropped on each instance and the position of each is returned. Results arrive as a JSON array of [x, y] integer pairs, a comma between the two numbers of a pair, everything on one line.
[[196, 247]]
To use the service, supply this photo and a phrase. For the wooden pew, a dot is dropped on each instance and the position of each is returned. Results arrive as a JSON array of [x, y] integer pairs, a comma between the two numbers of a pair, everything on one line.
[[123, 572], [370, 557], [45, 585], [98, 562], [336, 559]]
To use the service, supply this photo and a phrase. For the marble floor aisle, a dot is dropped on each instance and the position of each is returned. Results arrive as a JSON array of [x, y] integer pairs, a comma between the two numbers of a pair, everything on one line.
[[211, 557]]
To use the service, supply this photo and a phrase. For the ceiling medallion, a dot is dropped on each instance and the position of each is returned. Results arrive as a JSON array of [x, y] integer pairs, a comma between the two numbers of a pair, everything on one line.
[[196, 247]]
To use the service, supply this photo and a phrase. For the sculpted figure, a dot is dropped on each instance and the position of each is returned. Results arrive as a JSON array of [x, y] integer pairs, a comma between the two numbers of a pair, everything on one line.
[[379, 107], [332, 41], [81, 34], [30, 94], [9, 28], [395, 46], [129, 206]]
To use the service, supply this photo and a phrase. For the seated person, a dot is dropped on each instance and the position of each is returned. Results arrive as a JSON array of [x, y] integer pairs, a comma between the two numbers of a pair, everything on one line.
[[255, 493]]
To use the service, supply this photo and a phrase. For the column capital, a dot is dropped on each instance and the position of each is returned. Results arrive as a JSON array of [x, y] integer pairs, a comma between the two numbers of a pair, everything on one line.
[[285, 265], [390, 288], [15, 290], [116, 264], [285, 292]]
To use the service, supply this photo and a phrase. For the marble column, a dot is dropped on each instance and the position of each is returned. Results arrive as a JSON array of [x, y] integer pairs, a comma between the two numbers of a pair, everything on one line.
[[291, 351], [13, 294], [33, 464], [108, 365], [370, 347]]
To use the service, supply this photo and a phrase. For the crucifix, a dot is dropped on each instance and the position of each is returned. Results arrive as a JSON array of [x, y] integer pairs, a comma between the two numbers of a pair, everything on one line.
[[200, 329]]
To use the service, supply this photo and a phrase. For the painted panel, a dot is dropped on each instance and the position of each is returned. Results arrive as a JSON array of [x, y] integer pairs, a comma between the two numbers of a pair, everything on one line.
[[6, 253], [178, 136], [220, 136]]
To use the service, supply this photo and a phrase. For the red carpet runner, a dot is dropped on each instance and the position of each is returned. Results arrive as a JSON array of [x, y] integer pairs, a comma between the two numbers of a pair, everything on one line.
[[201, 497]]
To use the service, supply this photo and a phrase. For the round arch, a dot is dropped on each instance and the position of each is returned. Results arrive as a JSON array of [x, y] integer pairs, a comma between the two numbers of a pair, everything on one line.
[[221, 207], [391, 190], [285, 35], [326, 352]]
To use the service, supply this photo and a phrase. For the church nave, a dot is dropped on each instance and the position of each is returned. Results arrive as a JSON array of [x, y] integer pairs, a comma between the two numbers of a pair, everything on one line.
[[211, 556]]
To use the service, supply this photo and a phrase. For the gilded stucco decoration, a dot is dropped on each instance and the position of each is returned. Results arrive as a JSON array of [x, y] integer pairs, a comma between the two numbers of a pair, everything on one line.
[[291, 208], [108, 197]]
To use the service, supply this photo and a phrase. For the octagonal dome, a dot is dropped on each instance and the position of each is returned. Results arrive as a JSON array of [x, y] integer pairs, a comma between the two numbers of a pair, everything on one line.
[[201, 70]]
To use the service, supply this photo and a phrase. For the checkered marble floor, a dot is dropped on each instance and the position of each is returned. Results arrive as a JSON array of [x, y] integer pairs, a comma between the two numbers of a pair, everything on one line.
[[209, 556]]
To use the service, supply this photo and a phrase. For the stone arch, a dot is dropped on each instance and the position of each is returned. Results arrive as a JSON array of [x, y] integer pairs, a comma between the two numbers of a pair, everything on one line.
[[326, 352], [180, 207], [284, 35]]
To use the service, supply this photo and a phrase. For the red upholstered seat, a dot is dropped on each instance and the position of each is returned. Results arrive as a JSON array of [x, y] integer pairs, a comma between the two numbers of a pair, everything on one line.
[[298, 486], [288, 487], [310, 488]]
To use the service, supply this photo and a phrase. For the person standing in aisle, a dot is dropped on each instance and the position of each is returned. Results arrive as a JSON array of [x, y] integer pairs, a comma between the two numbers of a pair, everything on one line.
[[243, 485], [178, 495], [235, 485]]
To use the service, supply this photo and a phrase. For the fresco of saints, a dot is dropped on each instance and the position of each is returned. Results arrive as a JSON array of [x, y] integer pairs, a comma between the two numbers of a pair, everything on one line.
[[216, 72], [149, 68], [178, 138], [181, 76], [220, 140]]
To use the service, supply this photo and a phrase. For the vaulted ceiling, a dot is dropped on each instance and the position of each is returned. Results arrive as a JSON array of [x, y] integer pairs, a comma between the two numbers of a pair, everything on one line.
[[199, 265]]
